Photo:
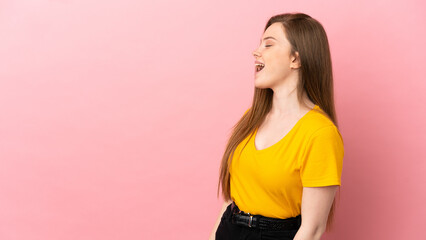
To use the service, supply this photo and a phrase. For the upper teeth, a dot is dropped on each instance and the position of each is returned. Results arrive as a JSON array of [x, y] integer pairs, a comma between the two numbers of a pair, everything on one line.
[[259, 66]]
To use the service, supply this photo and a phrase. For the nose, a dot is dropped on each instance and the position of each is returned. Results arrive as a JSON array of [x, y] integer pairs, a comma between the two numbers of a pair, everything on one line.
[[256, 54]]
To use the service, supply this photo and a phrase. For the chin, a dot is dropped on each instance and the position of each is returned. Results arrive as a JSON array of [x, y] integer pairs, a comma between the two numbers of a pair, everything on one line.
[[261, 84]]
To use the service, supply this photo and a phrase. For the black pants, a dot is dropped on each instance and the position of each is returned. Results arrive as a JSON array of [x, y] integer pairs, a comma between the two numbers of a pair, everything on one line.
[[229, 231]]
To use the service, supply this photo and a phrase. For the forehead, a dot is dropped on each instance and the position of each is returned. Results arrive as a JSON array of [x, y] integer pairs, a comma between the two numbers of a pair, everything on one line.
[[276, 30]]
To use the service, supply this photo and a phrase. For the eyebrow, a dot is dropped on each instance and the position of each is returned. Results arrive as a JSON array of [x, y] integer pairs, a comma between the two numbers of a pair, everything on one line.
[[268, 38]]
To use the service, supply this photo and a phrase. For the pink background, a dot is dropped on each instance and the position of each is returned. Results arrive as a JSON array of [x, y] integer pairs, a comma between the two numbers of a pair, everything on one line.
[[115, 114]]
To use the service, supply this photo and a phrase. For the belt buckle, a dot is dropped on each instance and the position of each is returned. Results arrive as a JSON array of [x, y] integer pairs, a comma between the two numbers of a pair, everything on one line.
[[250, 217]]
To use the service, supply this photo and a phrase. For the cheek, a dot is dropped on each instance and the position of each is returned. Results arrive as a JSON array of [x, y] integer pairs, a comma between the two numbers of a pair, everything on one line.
[[279, 62], [279, 67]]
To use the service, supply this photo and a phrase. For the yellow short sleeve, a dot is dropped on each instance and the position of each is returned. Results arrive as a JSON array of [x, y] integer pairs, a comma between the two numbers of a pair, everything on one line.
[[322, 161]]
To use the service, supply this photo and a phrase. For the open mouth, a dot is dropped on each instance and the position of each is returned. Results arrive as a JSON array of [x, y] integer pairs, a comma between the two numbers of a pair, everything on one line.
[[259, 66]]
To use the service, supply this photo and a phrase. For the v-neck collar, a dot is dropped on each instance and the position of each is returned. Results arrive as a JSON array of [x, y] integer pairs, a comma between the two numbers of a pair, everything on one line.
[[282, 139]]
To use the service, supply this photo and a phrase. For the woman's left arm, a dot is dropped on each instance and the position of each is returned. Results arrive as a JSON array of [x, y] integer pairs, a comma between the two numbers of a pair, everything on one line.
[[316, 205]]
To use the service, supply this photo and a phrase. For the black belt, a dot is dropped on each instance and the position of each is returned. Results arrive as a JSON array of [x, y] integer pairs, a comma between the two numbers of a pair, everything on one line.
[[265, 223]]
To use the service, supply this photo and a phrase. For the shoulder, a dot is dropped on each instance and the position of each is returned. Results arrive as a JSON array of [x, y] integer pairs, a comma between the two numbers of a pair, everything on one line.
[[317, 119], [317, 123], [246, 111], [323, 138]]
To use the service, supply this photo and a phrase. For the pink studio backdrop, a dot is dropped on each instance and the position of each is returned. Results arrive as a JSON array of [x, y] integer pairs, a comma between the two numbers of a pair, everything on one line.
[[115, 114]]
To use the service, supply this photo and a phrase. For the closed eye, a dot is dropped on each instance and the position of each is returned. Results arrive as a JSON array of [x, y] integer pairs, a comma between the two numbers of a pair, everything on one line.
[[268, 45]]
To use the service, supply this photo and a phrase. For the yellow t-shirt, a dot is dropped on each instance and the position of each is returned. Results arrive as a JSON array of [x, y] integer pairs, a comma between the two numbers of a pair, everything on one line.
[[270, 181]]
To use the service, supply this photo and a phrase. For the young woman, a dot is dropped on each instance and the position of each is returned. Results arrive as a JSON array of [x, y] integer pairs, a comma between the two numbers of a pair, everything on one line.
[[283, 162]]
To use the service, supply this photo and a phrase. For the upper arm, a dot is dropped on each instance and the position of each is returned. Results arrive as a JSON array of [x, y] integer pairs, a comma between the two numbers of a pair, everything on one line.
[[316, 205], [321, 170]]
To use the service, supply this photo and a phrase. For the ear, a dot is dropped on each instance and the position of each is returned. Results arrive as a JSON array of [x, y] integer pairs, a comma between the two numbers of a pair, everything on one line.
[[295, 61]]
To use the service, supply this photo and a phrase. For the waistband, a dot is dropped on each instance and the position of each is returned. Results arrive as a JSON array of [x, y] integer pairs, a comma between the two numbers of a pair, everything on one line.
[[261, 222]]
